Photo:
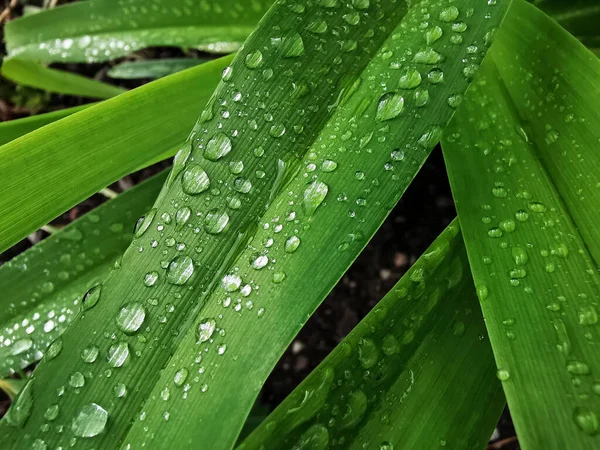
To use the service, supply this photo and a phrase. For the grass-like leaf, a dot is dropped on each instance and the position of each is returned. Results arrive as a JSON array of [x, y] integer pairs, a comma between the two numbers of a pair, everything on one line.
[[31, 73], [48, 171], [522, 155], [13, 129], [152, 68], [97, 30], [423, 344], [316, 130], [42, 288]]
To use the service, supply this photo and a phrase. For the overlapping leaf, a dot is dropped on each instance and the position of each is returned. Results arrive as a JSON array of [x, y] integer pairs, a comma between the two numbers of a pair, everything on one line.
[[49, 171], [317, 128], [42, 288], [423, 344], [523, 163]]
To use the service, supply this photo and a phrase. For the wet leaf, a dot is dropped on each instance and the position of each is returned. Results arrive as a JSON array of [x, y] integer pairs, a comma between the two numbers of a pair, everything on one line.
[[424, 344], [308, 101], [528, 204]]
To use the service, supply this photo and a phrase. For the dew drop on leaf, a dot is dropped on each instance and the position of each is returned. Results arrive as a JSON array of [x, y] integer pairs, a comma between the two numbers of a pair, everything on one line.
[[90, 421], [180, 270], [217, 147], [131, 317], [195, 180]]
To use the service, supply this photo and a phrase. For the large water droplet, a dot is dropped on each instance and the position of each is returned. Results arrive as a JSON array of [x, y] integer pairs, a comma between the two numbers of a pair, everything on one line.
[[118, 354], [206, 330], [215, 221], [586, 420], [180, 270], [131, 317], [314, 194], [389, 107], [90, 421], [143, 223], [217, 147], [254, 59], [293, 46], [91, 297], [195, 180]]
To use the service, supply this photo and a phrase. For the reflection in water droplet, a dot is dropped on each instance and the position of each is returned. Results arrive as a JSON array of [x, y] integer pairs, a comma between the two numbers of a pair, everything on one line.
[[90, 421]]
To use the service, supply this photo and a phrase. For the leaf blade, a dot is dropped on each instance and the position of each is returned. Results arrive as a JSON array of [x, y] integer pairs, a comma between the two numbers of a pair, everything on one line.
[[519, 211]]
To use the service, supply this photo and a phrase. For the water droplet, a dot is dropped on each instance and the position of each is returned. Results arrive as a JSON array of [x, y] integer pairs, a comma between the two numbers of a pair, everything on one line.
[[21, 346], [314, 194], [120, 390], [317, 26], [143, 223], [20, 410], [54, 349], [89, 354], [386, 445], [277, 130], [91, 297], [578, 368], [118, 354], [368, 355], [421, 97], [433, 34], [231, 283], [428, 56], [519, 256], [131, 317], [180, 270], [206, 330], [293, 46], [292, 244], [537, 207], [76, 380], [150, 278], [522, 215], [52, 412], [503, 374], [449, 14], [217, 147], [587, 315], [195, 180], [431, 137], [90, 421], [180, 376], [254, 59], [215, 221], [586, 420], [389, 107]]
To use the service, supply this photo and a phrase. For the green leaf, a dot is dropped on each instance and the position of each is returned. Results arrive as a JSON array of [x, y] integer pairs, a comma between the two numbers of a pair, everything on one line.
[[43, 286], [523, 163], [48, 171], [97, 30], [579, 17], [283, 181], [423, 344], [13, 129], [30, 73], [152, 68]]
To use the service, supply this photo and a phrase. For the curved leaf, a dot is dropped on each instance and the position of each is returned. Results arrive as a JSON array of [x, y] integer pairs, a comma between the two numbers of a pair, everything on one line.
[[43, 286], [46, 172], [97, 30], [423, 344], [528, 204], [307, 144]]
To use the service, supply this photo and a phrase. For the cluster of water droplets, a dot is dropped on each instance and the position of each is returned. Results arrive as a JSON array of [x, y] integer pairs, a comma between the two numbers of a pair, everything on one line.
[[543, 259]]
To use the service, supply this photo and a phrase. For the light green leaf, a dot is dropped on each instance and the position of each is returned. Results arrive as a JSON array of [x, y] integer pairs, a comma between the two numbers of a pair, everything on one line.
[[99, 30], [43, 286], [13, 129], [48, 171], [416, 373], [283, 181], [30, 73], [522, 155], [152, 68]]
